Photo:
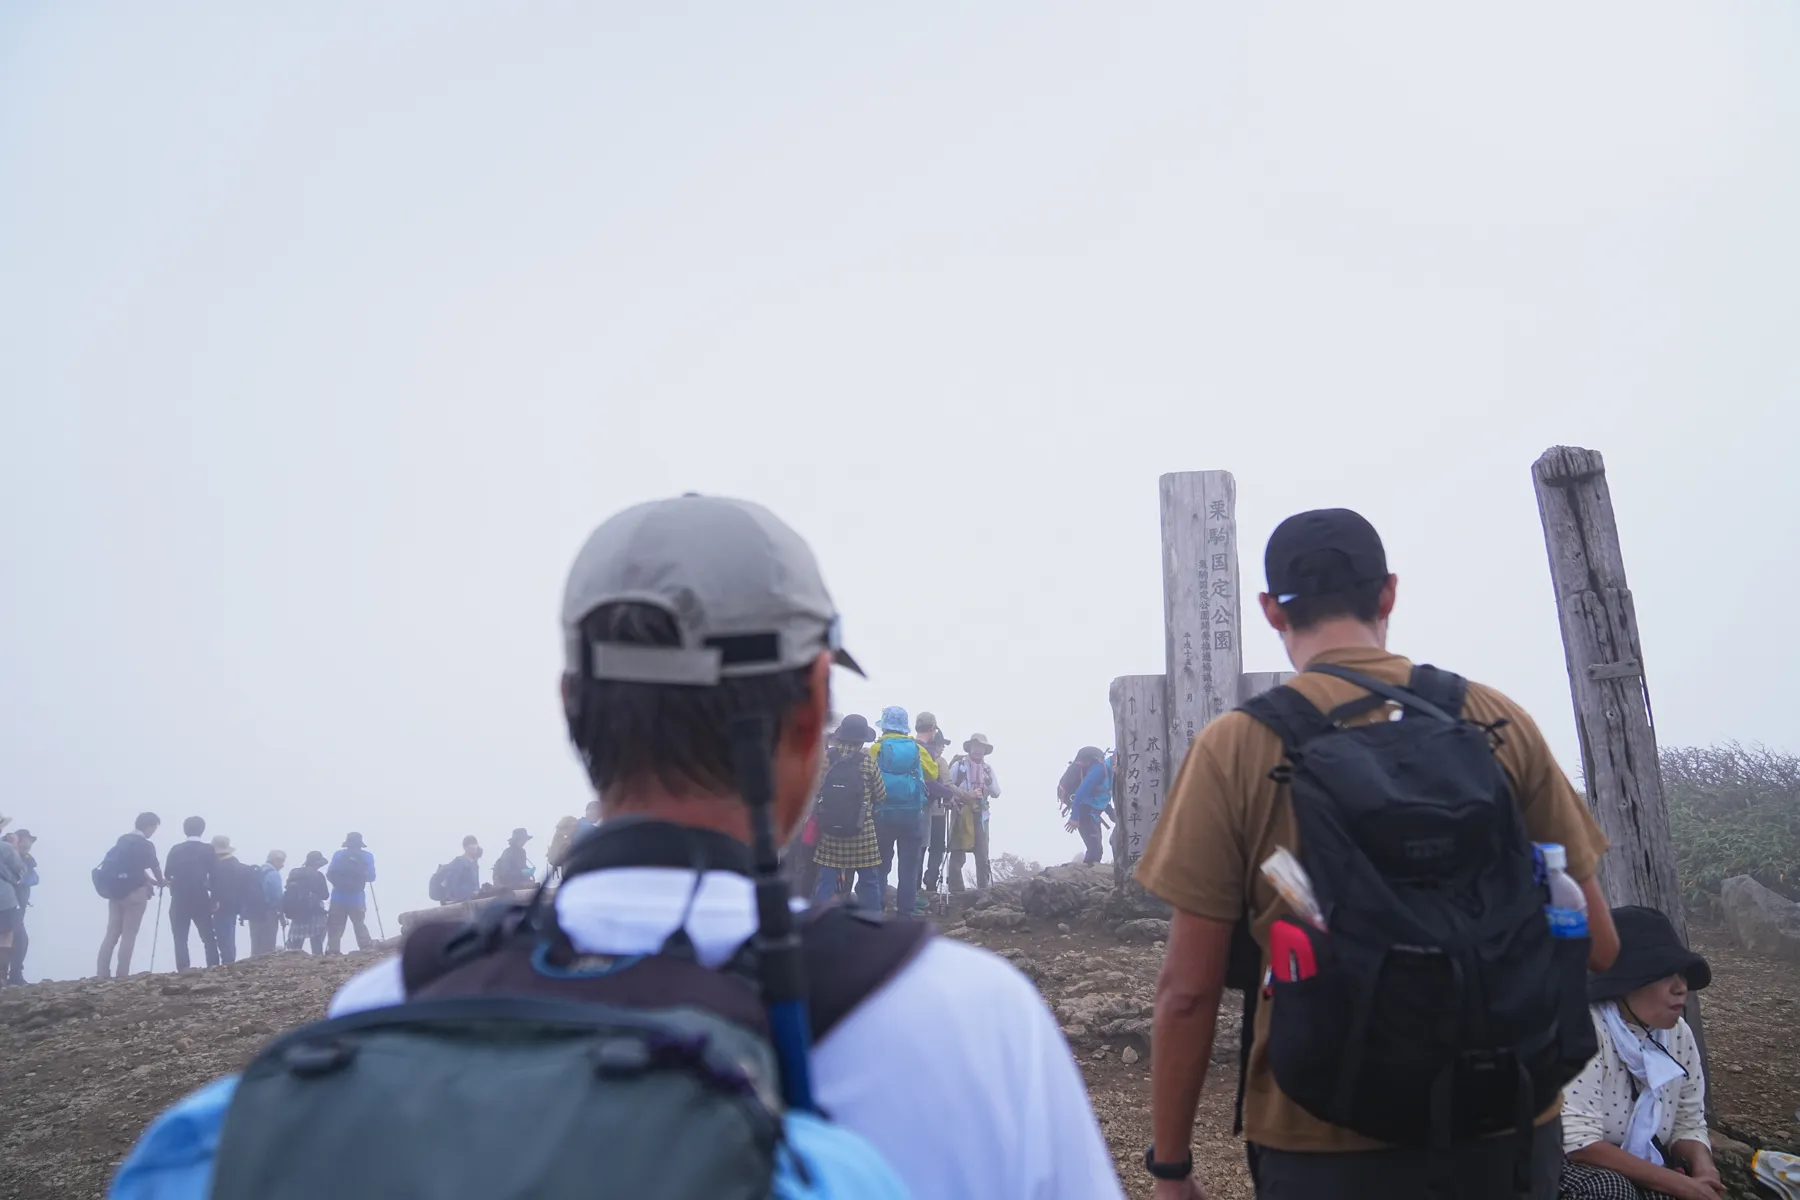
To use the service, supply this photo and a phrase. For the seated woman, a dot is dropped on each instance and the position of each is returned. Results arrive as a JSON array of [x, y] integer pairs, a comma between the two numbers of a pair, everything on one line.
[[1634, 1122]]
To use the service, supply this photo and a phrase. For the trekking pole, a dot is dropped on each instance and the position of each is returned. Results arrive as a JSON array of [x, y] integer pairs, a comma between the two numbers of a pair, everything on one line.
[[376, 900], [156, 930], [779, 965]]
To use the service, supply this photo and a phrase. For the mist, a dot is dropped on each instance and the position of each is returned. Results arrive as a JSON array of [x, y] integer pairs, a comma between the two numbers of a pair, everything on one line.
[[326, 335]]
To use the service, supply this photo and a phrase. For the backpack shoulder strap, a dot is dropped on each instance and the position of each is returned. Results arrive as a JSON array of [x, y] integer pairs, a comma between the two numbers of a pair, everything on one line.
[[1446, 689], [437, 948], [1406, 698], [1295, 719], [850, 955]]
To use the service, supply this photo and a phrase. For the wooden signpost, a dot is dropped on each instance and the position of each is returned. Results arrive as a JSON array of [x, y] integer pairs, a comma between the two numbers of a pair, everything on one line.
[[1156, 716], [1606, 678], [1203, 653], [1140, 763], [1611, 693]]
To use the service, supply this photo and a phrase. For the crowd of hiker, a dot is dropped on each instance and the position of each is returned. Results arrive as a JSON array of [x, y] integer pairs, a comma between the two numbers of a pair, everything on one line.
[[1383, 858], [890, 798], [211, 892]]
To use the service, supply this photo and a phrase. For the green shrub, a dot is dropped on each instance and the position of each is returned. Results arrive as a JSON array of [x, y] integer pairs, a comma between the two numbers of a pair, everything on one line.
[[1733, 810]]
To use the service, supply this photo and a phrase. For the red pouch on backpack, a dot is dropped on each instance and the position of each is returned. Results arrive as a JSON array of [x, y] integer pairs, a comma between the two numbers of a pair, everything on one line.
[[1291, 956]]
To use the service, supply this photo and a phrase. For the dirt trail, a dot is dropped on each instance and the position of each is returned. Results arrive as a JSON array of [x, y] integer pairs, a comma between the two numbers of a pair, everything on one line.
[[90, 1062]]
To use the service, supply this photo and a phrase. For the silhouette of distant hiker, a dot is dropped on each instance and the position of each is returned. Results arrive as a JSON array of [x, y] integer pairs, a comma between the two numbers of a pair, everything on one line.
[[303, 904], [125, 878], [262, 902], [228, 898], [192, 872], [351, 872], [513, 870]]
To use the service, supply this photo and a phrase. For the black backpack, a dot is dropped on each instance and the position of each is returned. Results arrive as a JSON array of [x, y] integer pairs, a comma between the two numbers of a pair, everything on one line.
[[660, 1070], [840, 810], [1442, 1008], [111, 879], [439, 888], [303, 894], [349, 871]]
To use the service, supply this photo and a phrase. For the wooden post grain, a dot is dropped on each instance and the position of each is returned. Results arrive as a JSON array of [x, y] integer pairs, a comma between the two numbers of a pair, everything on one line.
[[1606, 677], [1612, 695], [1201, 619], [1140, 763]]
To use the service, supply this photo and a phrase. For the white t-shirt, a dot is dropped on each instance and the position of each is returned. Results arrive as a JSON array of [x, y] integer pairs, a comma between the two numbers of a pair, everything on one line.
[[955, 1069]]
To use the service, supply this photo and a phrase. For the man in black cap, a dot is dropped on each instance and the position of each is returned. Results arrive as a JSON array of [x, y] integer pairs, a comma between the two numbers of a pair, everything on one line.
[[1229, 809], [512, 870]]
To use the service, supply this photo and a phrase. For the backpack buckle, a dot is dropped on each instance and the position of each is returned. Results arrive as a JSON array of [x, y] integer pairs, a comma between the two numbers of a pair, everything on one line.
[[310, 1060]]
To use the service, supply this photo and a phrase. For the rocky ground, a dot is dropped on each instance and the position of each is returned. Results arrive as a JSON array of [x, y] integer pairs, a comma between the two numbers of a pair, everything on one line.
[[90, 1062]]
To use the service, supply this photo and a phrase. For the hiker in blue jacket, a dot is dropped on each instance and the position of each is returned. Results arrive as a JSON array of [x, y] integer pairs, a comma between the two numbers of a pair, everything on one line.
[[351, 872], [1091, 800]]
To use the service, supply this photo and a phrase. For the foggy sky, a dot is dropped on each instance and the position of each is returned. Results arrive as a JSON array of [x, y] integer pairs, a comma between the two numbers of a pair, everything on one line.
[[327, 334]]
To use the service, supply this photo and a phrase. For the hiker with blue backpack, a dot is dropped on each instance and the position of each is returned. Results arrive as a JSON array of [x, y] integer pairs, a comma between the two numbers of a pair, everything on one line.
[[1091, 802], [901, 821], [1353, 850], [664, 1026]]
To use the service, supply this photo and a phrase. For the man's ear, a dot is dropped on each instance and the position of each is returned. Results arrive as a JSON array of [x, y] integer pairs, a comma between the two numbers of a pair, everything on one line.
[[805, 726], [1384, 604], [1272, 612]]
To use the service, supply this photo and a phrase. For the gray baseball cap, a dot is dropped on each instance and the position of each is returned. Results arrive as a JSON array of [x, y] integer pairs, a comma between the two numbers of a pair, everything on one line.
[[742, 587]]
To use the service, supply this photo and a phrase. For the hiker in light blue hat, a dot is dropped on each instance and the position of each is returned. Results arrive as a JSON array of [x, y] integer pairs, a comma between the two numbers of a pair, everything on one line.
[[901, 824]]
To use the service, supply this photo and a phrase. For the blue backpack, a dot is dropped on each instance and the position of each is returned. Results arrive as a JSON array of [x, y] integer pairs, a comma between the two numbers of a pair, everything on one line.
[[901, 772]]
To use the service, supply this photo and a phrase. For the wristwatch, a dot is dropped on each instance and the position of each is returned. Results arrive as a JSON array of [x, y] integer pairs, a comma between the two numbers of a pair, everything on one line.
[[1167, 1170]]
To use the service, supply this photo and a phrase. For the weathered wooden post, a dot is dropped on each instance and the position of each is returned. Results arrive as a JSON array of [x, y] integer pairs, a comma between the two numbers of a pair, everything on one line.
[[1203, 653], [1156, 716], [1612, 695], [1140, 763], [1606, 677]]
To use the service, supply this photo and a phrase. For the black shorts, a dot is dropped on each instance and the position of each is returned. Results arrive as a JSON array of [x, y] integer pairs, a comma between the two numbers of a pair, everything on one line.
[[1477, 1170], [9, 921]]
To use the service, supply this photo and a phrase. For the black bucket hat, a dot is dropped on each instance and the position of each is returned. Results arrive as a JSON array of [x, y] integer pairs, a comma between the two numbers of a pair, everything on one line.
[[853, 730], [1648, 951]]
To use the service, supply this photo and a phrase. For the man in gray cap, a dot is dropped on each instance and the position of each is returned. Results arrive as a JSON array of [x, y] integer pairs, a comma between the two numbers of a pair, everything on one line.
[[679, 615]]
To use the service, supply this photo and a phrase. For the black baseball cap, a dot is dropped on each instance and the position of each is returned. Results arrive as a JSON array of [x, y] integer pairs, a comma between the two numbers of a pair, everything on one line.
[[1322, 553]]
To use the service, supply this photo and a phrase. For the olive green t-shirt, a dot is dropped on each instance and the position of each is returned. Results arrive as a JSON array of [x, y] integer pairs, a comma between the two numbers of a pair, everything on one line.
[[1223, 816]]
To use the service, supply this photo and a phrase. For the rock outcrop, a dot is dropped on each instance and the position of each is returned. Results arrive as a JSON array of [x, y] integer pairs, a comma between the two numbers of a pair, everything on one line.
[[1761, 921]]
